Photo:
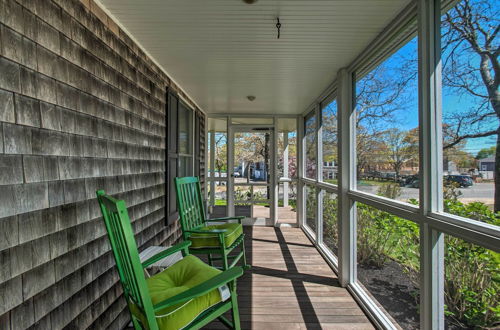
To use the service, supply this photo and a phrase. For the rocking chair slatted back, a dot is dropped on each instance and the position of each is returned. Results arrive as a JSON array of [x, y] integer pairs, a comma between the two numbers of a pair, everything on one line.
[[125, 251], [192, 212]]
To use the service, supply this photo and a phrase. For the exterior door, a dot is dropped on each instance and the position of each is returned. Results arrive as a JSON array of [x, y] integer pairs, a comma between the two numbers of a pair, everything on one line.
[[251, 175]]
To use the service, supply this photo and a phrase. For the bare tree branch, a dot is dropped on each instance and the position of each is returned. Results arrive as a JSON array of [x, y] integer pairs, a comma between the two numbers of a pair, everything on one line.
[[469, 136]]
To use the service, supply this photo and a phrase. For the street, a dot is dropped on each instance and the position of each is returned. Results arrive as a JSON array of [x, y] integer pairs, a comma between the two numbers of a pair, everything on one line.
[[479, 192]]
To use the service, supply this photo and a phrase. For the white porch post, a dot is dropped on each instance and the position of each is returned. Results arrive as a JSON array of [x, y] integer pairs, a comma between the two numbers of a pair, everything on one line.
[[431, 240], [230, 170], [285, 168], [300, 171], [275, 179], [347, 176], [319, 175]]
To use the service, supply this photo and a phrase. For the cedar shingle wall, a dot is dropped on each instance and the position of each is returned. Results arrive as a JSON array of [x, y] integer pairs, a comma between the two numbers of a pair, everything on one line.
[[81, 108]]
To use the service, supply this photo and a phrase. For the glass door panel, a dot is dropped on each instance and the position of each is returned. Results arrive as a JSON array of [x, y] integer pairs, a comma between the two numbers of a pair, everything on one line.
[[252, 172], [217, 174]]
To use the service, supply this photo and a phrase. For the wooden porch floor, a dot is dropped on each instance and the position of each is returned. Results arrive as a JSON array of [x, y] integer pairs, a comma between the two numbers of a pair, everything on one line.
[[290, 286]]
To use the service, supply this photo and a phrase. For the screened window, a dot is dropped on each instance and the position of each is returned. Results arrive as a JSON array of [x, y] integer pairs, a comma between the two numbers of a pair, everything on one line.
[[471, 284], [329, 141], [387, 147], [311, 206], [180, 151], [470, 107], [387, 150], [310, 145], [185, 141], [217, 165], [330, 234], [388, 262]]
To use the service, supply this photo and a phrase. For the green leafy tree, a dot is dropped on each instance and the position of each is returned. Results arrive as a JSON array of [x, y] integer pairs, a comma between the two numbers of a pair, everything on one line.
[[400, 149], [220, 153], [486, 152]]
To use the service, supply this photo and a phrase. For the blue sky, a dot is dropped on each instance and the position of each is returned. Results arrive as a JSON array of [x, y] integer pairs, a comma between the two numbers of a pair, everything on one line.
[[451, 101]]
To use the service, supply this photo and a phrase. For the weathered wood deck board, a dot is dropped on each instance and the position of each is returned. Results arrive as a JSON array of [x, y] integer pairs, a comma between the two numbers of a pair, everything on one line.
[[290, 286]]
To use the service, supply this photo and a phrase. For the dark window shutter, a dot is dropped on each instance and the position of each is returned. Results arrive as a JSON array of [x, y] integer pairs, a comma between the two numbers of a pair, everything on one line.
[[172, 151], [172, 156], [200, 148]]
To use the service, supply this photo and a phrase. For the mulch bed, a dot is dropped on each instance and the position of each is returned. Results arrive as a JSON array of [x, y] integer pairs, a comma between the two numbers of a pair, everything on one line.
[[392, 288]]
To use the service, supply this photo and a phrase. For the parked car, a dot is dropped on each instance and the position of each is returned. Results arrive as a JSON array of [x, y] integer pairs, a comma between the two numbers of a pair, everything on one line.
[[463, 181], [388, 175], [411, 181], [237, 172]]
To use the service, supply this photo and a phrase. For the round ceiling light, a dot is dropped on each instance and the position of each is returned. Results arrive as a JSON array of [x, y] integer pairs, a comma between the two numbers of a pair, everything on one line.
[[250, 97], [249, 1]]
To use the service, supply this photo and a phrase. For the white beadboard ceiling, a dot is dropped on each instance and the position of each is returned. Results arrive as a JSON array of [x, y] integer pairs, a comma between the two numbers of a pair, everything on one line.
[[220, 51]]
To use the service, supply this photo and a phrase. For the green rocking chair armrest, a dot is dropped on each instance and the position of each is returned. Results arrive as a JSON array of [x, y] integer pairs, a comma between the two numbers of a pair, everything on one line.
[[212, 231], [239, 218], [203, 288], [178, 247]]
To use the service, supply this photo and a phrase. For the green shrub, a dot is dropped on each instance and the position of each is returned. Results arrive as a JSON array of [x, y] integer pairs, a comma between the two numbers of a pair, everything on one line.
[[472, 284], [383, 236], [330, 225], [311, 201], [374, 230], [472, 273], [389, 190], [474, 210]]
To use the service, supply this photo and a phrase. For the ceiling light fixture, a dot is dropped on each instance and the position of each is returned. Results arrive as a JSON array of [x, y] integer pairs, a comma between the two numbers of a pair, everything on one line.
[[249, 1], [250, 97]]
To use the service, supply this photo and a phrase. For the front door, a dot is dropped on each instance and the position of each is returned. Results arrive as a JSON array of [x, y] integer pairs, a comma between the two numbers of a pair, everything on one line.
[[250, 170]]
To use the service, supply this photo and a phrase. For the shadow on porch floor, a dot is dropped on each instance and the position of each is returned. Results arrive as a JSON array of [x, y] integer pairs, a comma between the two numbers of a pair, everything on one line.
[[290, 286]]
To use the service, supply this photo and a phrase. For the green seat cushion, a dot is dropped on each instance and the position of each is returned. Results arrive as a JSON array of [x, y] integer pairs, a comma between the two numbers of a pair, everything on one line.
[[183, 275], [211, 240]]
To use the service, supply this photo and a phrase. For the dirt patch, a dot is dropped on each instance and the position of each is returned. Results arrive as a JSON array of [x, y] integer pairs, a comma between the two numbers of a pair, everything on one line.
[[395, 292], [392, 288]]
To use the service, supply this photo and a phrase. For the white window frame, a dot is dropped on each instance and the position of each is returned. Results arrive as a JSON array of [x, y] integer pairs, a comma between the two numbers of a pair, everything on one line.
[[433, 222], [191, 143]]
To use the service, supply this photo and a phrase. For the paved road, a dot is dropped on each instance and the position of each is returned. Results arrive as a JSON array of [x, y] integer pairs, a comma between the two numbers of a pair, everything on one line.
[[481, 192]]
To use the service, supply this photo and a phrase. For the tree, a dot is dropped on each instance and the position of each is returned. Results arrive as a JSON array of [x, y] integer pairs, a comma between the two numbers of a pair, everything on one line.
[[399, 149], [292, 154], [411, 139], [471, 69], [370, 149], [252, 148], [220, 152], [329, 132], [310, 150], [456, 153], [486, 152], [463, 159], [381, 96]]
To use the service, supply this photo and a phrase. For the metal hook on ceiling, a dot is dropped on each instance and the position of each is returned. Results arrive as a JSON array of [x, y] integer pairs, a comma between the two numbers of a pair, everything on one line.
[[278, 26]]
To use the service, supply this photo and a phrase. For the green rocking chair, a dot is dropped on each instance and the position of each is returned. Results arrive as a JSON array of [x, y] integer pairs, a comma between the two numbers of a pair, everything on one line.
[[187, 295], [206, 238]]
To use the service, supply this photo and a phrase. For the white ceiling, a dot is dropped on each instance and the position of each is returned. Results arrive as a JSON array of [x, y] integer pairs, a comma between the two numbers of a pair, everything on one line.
[[220, 51]]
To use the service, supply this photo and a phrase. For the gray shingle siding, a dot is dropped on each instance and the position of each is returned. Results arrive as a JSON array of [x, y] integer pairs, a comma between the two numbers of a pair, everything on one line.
[[81, 108]]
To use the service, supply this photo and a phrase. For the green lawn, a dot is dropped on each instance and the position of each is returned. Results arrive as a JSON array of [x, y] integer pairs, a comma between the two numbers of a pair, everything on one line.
[[372, 182]]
